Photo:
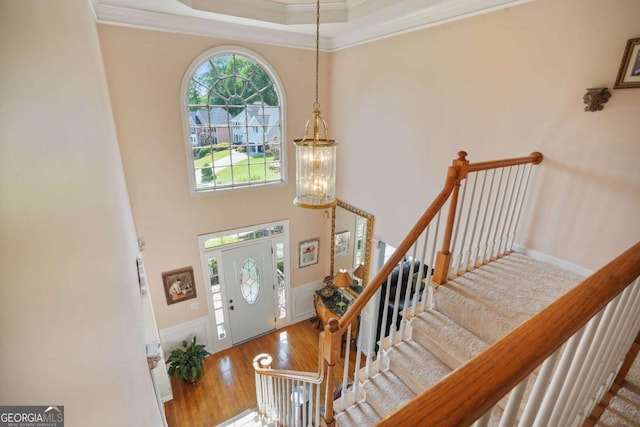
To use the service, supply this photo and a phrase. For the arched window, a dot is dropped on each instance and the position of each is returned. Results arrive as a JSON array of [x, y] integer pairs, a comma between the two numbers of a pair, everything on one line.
[[233, 111]]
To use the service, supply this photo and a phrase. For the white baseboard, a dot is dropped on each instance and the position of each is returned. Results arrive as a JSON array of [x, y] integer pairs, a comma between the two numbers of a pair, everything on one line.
[[560, 263], [302, 301], [301, 308]]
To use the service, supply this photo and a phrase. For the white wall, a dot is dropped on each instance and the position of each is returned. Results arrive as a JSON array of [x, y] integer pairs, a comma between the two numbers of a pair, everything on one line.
[[498, 85], [70, 311]]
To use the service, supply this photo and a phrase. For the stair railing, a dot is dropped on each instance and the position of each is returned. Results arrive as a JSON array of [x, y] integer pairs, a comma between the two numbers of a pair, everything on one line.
[[285, 397], [579, 342], [484, 204]]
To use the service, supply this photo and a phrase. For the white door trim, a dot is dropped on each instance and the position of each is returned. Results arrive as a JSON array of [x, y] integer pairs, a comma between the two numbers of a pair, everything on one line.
[[205, 254]]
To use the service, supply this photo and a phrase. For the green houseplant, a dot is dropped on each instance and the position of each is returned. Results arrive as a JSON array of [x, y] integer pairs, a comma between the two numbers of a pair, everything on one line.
[[186, 362]]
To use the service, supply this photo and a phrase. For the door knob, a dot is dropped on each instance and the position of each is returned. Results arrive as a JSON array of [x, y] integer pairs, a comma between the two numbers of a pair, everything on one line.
[[231, 308]]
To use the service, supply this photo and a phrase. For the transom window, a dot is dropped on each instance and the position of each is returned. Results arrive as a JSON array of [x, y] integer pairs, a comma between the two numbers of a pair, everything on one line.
[[233, 108]]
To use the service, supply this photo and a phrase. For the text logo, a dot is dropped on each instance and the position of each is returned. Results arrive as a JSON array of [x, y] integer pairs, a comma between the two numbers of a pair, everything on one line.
[[32, 416]]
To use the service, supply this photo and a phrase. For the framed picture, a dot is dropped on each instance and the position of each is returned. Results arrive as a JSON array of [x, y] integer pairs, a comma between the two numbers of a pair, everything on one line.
[[308, 252], [629, 72], [341, 247], [179, 285]]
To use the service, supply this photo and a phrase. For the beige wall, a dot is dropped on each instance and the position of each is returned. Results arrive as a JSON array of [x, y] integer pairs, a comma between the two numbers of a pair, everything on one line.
[[145, 70], [498, 85], [70, 308]]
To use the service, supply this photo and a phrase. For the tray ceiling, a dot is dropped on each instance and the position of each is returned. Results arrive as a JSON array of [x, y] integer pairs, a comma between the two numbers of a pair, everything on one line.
[[291, 23]]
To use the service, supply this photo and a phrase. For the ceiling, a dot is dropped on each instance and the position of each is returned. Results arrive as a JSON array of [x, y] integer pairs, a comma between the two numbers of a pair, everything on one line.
[[344, 23]]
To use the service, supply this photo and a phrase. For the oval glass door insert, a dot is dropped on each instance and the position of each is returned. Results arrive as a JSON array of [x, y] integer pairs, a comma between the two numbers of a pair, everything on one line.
[[249, 281]]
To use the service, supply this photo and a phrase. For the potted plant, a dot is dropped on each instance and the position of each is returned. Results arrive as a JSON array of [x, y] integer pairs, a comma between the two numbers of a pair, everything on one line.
[[186, 362]]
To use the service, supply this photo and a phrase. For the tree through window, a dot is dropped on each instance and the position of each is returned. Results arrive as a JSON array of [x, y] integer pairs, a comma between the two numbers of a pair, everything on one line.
[[233, 113]]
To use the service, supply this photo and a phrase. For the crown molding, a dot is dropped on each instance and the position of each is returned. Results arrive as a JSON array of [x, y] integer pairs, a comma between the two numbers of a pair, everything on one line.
[[366, 23], [438, 14], [116, 15]]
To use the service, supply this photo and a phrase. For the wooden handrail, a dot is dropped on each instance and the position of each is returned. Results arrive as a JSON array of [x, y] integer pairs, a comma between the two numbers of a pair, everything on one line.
[[380, 277], [534, 158], [335, 328], [311, 377], [467, 393], [455, 173]]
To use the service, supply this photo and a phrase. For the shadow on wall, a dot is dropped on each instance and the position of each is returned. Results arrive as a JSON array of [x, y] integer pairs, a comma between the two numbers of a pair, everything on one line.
[[568, 201]]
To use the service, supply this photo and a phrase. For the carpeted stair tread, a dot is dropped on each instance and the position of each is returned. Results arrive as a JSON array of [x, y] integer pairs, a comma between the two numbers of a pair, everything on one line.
[[493, 300], [385, 392], [623, 410], [418, 368], [616, 419], [450, 342], [632, 381], [358, 415]]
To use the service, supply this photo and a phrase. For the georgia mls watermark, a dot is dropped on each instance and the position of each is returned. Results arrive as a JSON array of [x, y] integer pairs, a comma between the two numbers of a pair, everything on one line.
[[32, 416]]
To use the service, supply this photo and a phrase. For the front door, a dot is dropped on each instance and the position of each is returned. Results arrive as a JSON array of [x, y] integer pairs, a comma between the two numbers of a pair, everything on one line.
[[249, 285]]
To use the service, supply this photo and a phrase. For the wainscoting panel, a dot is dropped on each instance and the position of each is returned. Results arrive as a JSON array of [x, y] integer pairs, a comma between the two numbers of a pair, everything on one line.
[[172, 337], [302, 301]]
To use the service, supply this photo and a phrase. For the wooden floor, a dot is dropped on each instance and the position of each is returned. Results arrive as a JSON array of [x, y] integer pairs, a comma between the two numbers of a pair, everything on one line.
[[228, 386]]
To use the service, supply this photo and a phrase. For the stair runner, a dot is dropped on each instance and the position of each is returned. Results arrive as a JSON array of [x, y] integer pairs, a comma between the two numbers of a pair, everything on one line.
[[624, 408], [470, 312]]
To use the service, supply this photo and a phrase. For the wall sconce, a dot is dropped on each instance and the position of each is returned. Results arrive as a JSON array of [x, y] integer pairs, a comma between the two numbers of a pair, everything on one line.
[[595, 97]]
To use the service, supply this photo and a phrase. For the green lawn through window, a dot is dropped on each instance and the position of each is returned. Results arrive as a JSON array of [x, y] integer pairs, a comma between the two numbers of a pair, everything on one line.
[[217, 155], [251, 169]]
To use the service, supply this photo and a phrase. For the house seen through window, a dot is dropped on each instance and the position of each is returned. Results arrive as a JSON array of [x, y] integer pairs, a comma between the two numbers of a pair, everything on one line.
[[234, 118]]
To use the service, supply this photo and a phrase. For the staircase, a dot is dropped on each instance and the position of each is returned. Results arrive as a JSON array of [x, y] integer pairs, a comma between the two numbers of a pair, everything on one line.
[[470, 312], [496, 338], [624, 409]]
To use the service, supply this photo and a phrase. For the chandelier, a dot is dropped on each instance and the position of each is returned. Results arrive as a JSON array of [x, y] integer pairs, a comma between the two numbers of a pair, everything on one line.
[[316, 154]]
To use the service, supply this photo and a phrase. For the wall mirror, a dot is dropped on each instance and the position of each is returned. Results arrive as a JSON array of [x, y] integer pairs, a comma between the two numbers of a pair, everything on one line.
[[352, 231]]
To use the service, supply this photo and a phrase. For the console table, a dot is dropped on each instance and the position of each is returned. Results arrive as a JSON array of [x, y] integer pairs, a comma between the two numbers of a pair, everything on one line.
[[327, 307]]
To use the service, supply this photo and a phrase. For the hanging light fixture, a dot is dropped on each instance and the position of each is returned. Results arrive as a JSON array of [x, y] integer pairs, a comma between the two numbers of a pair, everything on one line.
[[316, 154]]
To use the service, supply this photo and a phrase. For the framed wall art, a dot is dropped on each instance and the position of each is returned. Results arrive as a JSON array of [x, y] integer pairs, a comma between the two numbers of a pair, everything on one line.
[[629, 72], [308, 252], [341, 247], [179, 285]]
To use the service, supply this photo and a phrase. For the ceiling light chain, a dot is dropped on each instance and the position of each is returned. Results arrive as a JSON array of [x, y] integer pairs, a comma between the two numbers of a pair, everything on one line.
[[316, 156], [317, 104]]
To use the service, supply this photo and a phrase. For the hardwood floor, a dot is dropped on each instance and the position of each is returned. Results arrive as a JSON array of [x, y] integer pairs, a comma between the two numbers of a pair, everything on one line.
[[228, 386]]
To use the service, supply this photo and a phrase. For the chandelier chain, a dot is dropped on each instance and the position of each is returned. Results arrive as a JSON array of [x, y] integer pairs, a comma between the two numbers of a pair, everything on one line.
[[317, 105]]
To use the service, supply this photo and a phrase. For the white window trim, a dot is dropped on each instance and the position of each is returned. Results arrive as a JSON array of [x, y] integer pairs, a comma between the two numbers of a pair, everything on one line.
[[184, 90]]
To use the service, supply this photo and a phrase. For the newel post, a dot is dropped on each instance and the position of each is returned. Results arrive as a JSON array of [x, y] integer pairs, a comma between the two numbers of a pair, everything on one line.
[[457, 172], [331, 350]]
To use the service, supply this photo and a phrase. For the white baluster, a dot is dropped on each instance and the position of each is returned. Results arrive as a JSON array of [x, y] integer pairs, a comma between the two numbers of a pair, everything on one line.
[[571, 380], [542, 419], [472, 256], [539, 390], [513, 404], [465, 252], [484, 243], [455, 256], [524, 192], [496, 236], [513, 209]]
